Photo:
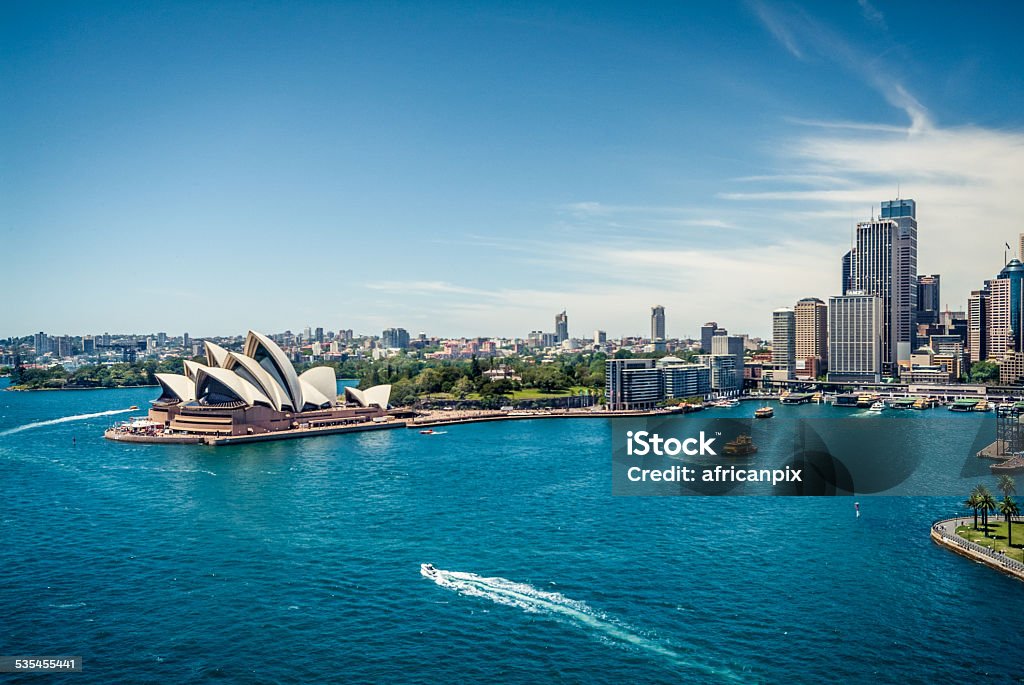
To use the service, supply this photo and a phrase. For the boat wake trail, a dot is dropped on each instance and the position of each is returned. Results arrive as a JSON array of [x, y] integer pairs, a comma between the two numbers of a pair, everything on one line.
[[574, 612], [63, 419]]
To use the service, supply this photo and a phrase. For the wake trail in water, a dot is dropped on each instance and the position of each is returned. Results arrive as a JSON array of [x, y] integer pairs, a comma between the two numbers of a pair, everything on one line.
[[556, 605], [63, 419]]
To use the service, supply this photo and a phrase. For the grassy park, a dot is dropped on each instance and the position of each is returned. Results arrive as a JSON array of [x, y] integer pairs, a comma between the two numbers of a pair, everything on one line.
[[996, 538]]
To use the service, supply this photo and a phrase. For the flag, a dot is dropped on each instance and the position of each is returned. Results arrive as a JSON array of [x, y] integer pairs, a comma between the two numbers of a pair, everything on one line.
[[1007, 246]]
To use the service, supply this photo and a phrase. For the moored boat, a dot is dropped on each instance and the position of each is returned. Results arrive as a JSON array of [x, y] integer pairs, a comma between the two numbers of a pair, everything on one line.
[[742, 446]]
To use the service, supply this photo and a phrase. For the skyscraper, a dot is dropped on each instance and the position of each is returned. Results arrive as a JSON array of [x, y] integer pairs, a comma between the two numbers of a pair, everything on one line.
[[927, 310], [995, 317], [884, 264], [855, 335], [707, 331], [783, 343], [657, 322], [561, 327], [395, 338], [730, 345], [1014, 273], [847, 284], [812, 332], [977, 326]]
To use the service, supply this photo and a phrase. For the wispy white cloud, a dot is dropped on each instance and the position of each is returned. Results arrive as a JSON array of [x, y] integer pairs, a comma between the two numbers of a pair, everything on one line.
[[777, 27], [872, 15], [413, 288], [826, 43]]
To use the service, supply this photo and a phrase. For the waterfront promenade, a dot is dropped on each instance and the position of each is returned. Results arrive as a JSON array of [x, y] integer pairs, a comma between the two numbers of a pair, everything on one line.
[[944, 533]]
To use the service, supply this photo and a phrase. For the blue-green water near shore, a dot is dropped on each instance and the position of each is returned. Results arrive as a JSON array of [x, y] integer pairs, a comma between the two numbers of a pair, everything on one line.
[[299, 561]]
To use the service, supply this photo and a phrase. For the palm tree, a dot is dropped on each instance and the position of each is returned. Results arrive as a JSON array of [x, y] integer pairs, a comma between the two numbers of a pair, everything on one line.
[[1008, 508], [987, 503], [972, 503], [1006, 485]]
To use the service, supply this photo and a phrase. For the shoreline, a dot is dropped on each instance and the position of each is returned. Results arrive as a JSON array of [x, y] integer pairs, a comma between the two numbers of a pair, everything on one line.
[[14, 388], [944, 535], [224, 440]]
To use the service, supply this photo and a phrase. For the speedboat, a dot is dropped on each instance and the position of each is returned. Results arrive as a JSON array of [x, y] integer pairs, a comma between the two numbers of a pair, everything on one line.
[[877, 406], [429, 431], [428, 571]]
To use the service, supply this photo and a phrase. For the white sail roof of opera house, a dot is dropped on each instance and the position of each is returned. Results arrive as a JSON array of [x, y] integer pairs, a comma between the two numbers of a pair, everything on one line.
[[176, 386], [260, 375], [379, 395]]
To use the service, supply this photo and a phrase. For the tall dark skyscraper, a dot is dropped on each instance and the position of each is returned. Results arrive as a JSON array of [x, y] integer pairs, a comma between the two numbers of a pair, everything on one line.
[[847, 272], [928, 299], [657, 322], [707, 331], [561, 327], [884, 264]]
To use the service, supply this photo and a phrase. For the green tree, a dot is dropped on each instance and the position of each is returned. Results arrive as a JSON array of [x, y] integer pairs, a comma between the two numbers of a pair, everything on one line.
[[986, 504], [972, 503], [546, 378], [1007, 485], [462, 387], [429, 380], [1008, 508], [403, 392], [984, 372]]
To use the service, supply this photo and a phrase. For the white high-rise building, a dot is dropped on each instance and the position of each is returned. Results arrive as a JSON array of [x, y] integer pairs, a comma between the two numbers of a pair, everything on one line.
[[783, 343], [855, 337]]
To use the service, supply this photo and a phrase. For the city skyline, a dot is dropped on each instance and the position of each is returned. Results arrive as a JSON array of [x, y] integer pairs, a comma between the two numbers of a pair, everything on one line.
[[472, 173]]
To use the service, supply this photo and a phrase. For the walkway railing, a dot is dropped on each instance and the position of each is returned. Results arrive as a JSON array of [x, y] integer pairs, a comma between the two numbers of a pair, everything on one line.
[[940, 528]]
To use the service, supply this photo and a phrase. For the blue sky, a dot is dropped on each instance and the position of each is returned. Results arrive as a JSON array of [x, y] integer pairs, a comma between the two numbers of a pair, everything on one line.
[[470, 169]]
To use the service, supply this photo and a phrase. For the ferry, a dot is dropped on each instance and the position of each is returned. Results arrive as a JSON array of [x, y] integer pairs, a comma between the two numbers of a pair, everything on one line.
[[726, 403], [982, 405], [742, 446], [966, 404], [764, 413]]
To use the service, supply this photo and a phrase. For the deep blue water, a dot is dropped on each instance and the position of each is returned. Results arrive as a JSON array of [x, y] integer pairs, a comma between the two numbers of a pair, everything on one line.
[[299, 562]]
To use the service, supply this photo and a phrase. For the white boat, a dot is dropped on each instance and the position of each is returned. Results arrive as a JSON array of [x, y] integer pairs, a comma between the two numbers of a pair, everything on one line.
[[428, 571], [727, 403], [877, 406]]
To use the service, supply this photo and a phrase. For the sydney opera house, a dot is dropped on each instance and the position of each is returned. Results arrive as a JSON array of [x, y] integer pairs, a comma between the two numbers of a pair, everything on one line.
[[252, 393]]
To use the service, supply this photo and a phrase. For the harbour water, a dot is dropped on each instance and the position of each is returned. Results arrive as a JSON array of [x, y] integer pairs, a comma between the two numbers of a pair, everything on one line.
[[299, 561]]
